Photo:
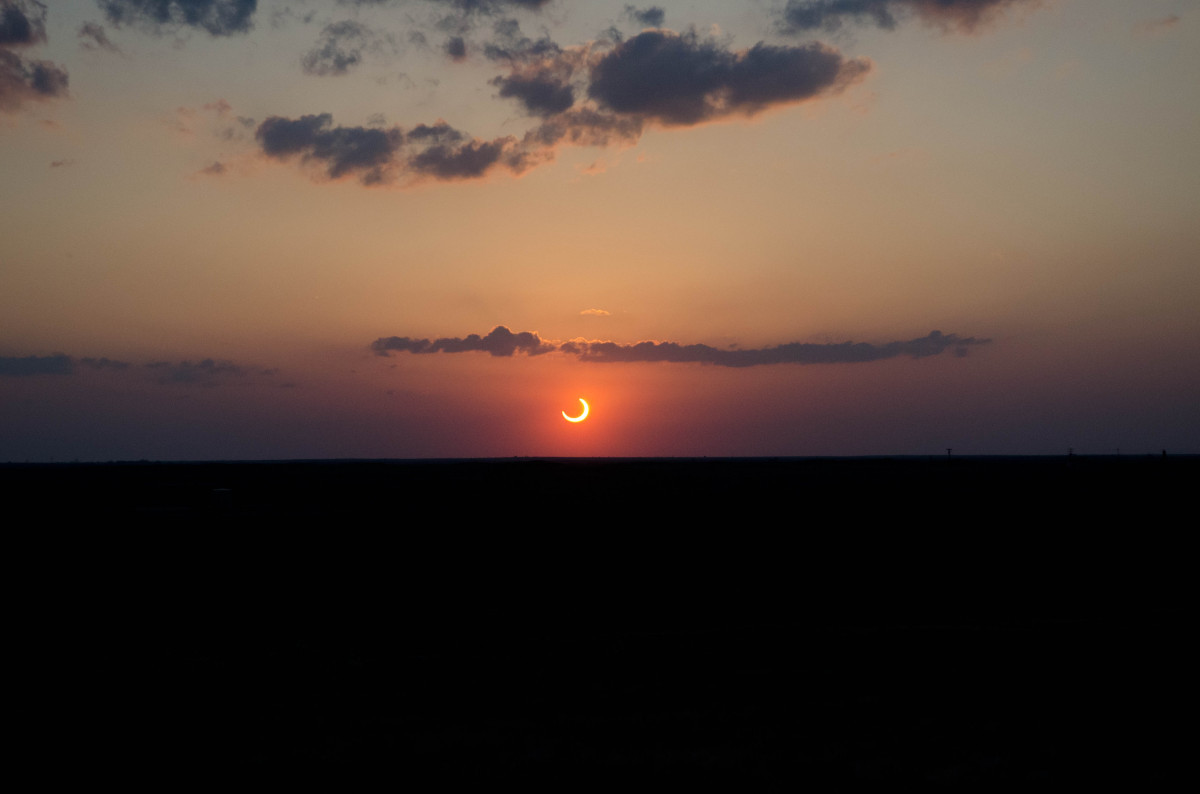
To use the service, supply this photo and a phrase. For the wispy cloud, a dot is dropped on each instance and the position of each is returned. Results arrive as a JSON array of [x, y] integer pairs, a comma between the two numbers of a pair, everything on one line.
[[205, 372], [171, 17], [93, 37], [964, 16], [342, 47]]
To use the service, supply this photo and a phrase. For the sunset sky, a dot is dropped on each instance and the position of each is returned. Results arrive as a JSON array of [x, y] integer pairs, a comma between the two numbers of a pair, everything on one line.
[[424, 228]]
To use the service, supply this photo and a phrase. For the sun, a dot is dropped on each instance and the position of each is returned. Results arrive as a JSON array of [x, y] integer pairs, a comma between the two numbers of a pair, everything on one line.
[[579, 418]]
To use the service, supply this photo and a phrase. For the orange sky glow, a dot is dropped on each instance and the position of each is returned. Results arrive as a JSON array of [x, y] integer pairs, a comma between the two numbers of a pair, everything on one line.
[[297, 229]]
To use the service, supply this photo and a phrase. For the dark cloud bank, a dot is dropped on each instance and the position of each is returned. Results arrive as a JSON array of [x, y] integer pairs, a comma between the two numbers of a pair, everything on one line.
[[22, 25], [503, 342], [682, 79], [56, 364]]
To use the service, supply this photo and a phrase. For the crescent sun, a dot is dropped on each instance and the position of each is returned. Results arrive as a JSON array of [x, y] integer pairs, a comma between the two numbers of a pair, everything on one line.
[[579, 418]]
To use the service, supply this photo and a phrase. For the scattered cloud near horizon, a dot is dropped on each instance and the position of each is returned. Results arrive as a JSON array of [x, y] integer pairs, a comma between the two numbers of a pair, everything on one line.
[[205, 372], [503, 342]]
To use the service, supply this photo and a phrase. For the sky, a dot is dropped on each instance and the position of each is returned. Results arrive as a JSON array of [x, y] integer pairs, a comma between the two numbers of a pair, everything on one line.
[[278, 229]]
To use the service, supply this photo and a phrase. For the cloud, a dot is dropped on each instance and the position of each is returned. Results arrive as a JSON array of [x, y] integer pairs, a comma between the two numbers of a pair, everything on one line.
[[792, 353], [651, 17], [596, 313], [215, 169], [802, 16], [57, 364], [92, 37], [502, 342], [494, 6], [22, 81], [542, 94], [469, 6], [681, 79], [281, 17], [104, 363], [23, 24], [341, 46], [214, 17], [381, 156], [207, 372], [456, 48], [596, 94], [668, 78], [460, 16], [61, 163], [510, 44], [367, 152], [459, 161], [586, 126], [541, 72]]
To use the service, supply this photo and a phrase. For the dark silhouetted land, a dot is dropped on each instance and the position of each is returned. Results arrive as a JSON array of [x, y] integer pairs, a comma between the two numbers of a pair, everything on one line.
[[606, 624]]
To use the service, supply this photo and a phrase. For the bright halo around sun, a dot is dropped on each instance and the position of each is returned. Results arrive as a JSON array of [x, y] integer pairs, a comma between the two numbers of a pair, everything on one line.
[[579, 418]]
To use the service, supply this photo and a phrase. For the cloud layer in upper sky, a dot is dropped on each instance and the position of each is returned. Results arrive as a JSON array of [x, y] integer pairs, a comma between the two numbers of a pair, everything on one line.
[[603, 92], [22, 25], [606, 91], [591, 95], [503, 342]]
